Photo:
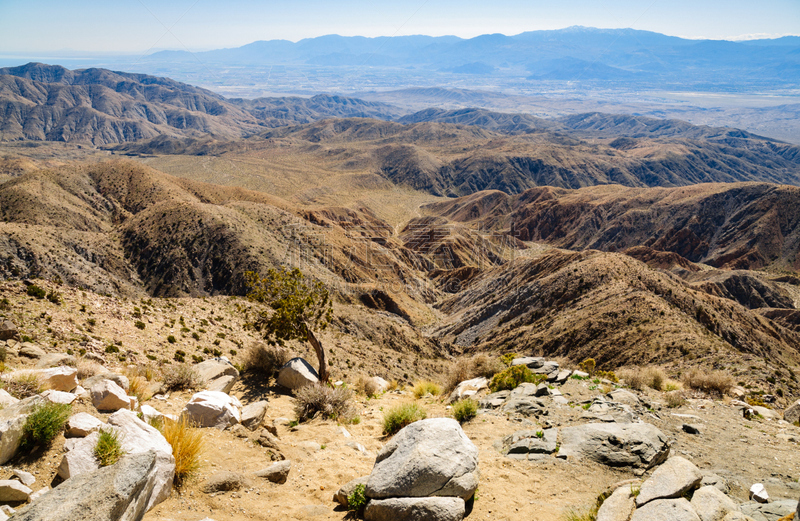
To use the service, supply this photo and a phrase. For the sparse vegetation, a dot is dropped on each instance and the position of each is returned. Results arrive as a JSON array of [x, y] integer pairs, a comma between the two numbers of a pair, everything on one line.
[[171, 339], [266, 359], [43, 424], [401, 415], [23, 385], [357, 500], [588, 366], [108, 449], [512, 377], [424, 387], [480, 365], [330, 403], [712, 382], [88, 368], [674, 399], [139, 324], [180, 377], [640, 378], [465, 410], [35, 291]]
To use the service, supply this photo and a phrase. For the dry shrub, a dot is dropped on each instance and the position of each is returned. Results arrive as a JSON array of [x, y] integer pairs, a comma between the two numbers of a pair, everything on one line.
[[675, 399], [138, 387], [333, 403], [23, 385], [640, 378], [393, 385], [424, 387], [181, 377], [89, 368], [264, 358], [481, 365], [367, 386], [187, 445], [711, 382]]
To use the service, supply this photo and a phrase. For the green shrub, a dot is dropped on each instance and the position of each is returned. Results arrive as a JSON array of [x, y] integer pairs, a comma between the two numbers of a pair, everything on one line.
[[508, 358], [111, 348], [139, 324], [401, 415], [55, 298], [333, 403], [357, 500], [171, 339], [588, 366], [179, 356], [43, 424], [464, 410], [424, 387], [35, 291], [108, 449], [513, 376]]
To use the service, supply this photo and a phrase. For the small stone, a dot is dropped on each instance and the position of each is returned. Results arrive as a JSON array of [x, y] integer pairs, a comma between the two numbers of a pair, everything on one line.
[[276, 473], [224, 482], [759, 493], [691, 428], [253, 414], [26, 478], [348, 488]]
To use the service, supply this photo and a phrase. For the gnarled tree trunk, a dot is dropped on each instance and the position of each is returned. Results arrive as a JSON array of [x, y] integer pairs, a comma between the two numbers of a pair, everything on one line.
[[323, 365]]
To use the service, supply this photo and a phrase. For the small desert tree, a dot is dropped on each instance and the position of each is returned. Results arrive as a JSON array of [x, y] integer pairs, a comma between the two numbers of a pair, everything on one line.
[[297, 307]]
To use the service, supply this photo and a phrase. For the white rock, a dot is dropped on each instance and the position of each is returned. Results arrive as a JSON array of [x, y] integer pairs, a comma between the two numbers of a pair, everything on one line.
[[12, 418], [149, 413], [759, 493], [81, 392], [12, 490], [618, 506], [80, 457], [253, 414], [62, 378], [108, 396], [6, 399], [26, 478], [711, 504], [213, 409], [468, 388], [297, 373], [82, 424], [213, 369], [223, 384], [59, 397]]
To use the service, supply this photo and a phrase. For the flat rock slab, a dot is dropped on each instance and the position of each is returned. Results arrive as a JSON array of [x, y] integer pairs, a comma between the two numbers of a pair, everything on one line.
[[427, 458], [674, 477], [60, 378], [637, 445], [415, 509], [533, 362], [224, 482], [12, 491], [769, 511], [666, 510], [82, 424]]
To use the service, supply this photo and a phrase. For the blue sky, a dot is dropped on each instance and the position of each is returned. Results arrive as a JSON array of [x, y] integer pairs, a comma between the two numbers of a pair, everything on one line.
[[141, 26]]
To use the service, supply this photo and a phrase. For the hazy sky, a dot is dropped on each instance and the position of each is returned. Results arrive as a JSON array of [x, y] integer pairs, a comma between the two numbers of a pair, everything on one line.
[[140, 26]]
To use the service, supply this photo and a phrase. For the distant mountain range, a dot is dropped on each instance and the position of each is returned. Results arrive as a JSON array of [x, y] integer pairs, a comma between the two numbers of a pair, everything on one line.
[[575, 53]]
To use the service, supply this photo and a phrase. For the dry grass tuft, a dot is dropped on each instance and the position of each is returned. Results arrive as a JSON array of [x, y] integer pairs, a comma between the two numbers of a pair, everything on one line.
[[675, 399], [333, 403], [266, 359], [187, 446], [711, 382], [181, 377], [640, 378], [424, 387], [23, 385], [367, 386], [88, 369]]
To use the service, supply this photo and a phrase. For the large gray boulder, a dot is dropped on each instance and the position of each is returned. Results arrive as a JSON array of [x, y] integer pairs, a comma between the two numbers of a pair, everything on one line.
[[118, 379], [297, 373], [55, 360], [666, 510], [12, 418], [792, 413], [769, 511], [427, 458], [415, 509], [213, 409], [118, 492], [618, 506], [637, 445], [674, 477], [711, 504]]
